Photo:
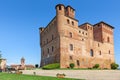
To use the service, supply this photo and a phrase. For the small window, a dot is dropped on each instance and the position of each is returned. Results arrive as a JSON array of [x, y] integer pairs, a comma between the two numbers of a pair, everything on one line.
[[71, 58], [72, 23], [82, 32], [98, 45], [88, 27], [71, 47], [78, 63], [109, 51], [99, 52], [52, 48], [98, 25], [59, 7], [82, 39], [68, 21], [70, 34], [86, 33], [108, 39], [79, 31], [91, 53], [91, 28]]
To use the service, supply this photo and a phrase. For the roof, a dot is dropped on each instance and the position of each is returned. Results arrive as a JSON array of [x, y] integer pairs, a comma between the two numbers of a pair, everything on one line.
[[59, 5], [85, 23], [105, 24], [70, 7]]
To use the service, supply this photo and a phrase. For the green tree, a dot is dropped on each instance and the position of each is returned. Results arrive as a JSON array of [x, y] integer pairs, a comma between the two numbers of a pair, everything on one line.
[[114, 66], [96, 66], [71, 65], [36, 65]]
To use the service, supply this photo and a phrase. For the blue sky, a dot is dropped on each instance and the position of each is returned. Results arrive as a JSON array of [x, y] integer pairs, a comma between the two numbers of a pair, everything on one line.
[[20, 20]]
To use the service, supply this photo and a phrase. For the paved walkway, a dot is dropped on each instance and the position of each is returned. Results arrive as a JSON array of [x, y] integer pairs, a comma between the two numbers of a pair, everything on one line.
[[80, 74]]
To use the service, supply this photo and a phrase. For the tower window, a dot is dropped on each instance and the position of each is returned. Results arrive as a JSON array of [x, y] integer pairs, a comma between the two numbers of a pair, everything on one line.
[[109, 51], [98, 45], [108, 39], [99, 52], [82, 32], [91, 53], [71, 58], [71, 47], [70, 34], [52, 48], [78, 63], [68, 21], [72, 23], [59, 7]]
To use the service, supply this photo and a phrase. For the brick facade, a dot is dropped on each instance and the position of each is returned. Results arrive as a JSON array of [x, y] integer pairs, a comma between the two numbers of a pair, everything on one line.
[[63, 41]]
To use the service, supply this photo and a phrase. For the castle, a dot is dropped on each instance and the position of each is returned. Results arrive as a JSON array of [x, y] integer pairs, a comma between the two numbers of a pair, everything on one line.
[[22, 66], [64, 41]]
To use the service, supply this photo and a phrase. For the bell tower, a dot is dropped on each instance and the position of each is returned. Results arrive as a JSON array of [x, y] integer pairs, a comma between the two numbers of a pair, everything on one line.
[[22, 61]]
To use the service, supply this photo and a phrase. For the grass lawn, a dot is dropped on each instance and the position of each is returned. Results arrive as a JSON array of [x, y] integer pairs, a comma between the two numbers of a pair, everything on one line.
[[8, 76]]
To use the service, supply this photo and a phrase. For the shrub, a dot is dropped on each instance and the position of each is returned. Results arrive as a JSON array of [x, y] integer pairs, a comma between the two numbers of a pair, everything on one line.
[[51, 66], [96, 66], [114, 66], [72, 65]]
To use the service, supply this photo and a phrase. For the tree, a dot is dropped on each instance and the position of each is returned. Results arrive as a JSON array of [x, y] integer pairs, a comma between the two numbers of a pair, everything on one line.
[[114, 66], [96, 66], [72, 65], [36, 65]]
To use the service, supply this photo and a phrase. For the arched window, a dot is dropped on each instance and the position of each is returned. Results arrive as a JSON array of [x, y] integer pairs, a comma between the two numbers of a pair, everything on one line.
[[71, 47], [72, 23], [70, 34], [68, 21], [108, 39], [91, 53], [59, 7]]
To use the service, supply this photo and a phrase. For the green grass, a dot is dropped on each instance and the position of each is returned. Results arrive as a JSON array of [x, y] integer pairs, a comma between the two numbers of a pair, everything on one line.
[[8, 76], [51, 66]]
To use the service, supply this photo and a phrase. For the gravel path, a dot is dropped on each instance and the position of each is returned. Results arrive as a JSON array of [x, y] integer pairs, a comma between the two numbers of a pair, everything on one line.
[[80, 74]]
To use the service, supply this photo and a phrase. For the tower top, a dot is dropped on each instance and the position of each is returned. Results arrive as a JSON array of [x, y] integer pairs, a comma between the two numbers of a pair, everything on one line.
[[22, 58], [65, 10]]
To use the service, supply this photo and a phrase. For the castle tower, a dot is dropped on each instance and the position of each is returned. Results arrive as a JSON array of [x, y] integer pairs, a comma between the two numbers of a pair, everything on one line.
[[103, 32], [23, 62], [70, 12]]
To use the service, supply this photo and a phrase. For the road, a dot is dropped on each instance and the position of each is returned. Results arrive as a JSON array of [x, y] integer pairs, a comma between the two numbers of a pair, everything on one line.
[[79, 74]]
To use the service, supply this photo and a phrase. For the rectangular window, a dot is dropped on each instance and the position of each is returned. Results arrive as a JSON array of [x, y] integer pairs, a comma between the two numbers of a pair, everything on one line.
[[78, 63], [71, 58], [71, 47]]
